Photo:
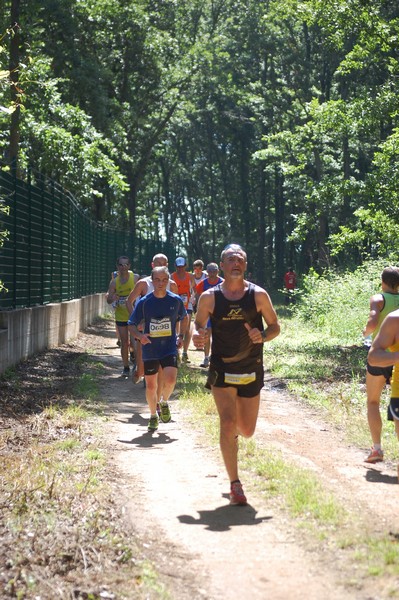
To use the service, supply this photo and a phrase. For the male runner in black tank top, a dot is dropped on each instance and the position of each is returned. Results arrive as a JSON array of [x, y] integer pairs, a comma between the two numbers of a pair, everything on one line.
[[237, 309], [233, 349]]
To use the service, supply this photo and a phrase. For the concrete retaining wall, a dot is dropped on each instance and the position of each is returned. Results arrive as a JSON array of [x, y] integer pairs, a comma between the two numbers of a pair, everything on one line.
[[26, 331]]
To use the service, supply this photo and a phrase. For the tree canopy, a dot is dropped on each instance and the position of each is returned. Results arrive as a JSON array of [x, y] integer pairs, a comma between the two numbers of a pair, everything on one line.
[[202, 122]]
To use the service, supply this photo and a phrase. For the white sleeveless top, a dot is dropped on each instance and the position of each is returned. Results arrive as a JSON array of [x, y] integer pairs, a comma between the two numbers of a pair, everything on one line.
[[150, 285]]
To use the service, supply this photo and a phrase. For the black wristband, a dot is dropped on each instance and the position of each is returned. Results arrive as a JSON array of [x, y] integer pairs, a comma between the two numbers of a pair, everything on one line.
[[263, 334]]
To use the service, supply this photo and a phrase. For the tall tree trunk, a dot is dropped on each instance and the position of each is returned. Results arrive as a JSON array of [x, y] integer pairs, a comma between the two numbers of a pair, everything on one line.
[[346, 171], [322, 233], [323, 252], [211, 186], [132, 203], [14, 75], [279, 227], [260, 267], [244, 176]]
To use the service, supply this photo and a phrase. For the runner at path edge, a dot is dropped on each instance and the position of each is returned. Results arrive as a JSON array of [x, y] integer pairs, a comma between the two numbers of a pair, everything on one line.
[[136, 277], [384, 352], [160, 312], [236, 308], [118, 291], [378, 377]]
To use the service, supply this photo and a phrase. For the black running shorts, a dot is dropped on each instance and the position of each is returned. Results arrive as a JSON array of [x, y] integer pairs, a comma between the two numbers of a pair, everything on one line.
[[152, 366], [222, 379], [380, 371]]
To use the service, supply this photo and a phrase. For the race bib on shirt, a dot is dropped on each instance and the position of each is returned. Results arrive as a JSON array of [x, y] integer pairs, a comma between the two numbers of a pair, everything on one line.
[[160, 328], [122, 300], [239, 378]]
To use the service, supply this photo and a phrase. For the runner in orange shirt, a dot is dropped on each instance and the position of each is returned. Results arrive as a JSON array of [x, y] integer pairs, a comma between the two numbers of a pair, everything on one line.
[[186, 289]]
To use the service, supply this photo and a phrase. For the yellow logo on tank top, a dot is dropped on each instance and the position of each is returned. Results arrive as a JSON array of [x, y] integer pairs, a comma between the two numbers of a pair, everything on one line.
[[235, 314]]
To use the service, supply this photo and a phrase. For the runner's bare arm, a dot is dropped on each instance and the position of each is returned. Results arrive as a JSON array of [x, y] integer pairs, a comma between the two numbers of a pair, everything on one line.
[[181, 329], [265, 306], [173, 287], [110, 295], [388, 335], [376, 305], [140, 289], [206, 304], [193, 285], [143, 338]]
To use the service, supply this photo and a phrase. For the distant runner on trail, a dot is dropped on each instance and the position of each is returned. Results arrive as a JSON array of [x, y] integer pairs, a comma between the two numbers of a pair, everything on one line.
[[378, 377], [210, 281], [236, 308], [384, 352], [159, 312], [290, 285], [198, 271], [119, 289], [186, 286]]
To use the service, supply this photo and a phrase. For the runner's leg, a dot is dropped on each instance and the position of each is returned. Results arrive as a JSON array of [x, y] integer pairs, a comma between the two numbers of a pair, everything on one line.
[[247, 411], [225, 400], [169, 377], [124, 337], [160, 390], [151, 392], [374, 385]]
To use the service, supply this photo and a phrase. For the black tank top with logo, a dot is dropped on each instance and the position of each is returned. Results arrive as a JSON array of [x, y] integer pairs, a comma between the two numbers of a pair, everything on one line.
[[232, 348]]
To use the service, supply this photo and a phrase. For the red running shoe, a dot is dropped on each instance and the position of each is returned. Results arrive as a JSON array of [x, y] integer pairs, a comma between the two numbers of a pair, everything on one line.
[[237, 496], [375, 456]]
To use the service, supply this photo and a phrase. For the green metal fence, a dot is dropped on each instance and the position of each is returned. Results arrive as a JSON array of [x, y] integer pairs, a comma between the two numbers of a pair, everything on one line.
[[54, 252]]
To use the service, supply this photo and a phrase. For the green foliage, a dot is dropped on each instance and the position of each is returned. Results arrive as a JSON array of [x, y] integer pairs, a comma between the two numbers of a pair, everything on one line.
[[372, 235], [386, 172], [4, 84], [336, 304], [275, 124], [7, 106], [62, 143]]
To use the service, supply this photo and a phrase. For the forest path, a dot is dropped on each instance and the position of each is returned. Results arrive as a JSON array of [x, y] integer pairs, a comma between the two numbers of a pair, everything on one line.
[[176, 499]]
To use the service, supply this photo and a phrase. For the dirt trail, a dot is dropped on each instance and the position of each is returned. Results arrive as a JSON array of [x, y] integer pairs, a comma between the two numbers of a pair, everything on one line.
[[175, 490]]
